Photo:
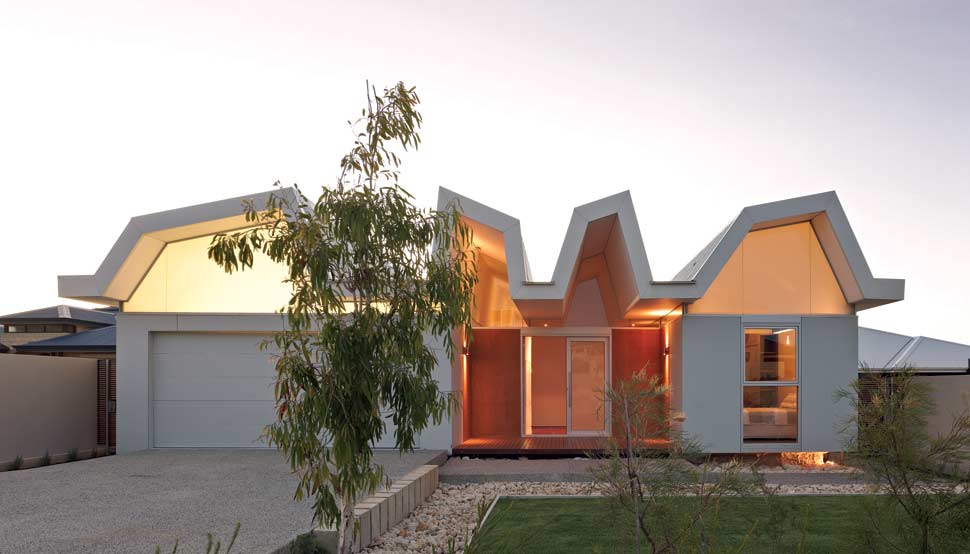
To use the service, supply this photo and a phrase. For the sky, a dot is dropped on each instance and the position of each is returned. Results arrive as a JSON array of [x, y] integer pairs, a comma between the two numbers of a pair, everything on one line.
[[110, 110]]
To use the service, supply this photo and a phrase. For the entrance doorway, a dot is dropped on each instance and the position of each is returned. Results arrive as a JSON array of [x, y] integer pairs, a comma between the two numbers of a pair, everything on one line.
[[565, 380]]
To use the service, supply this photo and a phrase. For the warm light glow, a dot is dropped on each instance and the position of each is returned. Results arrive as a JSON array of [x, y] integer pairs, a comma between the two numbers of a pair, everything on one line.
[[184, 279], [806, 459], [528, 384], [382, 307], [667, 355], [782, 270]]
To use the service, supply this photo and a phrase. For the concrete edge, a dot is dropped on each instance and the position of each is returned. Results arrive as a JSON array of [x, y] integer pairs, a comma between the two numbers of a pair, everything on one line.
[[380, 512], [58, 458]]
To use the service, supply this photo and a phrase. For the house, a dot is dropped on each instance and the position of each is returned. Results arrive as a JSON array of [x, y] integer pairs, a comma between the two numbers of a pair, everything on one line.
[[753, 336], [943, 366], [52, 322], [72, 332]]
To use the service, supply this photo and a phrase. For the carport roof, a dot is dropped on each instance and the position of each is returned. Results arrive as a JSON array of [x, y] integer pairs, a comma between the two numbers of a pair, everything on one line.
[[885, 351], [95, 340]]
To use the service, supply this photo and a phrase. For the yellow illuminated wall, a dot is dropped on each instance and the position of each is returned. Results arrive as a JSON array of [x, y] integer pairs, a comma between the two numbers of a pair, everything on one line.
[[184, 279], [781, 270], [493, 302]]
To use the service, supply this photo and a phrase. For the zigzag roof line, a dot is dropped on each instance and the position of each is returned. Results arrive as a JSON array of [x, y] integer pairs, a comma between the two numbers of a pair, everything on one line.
[[823, 210]]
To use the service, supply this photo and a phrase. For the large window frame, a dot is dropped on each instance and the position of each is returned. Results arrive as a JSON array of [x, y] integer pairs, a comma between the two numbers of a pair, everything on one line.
[[763, 444]]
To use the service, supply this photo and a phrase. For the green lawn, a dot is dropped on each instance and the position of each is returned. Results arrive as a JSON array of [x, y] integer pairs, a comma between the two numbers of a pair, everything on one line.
[[811, 524]]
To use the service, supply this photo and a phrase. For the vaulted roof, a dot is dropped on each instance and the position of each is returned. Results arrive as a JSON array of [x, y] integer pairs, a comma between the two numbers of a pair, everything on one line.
[[638, 293], [607, 227], [144, 238]]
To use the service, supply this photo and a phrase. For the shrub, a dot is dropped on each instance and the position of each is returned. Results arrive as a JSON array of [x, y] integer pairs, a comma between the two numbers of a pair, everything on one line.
[[17, 463], [46, 459], [305, 544], [663, 490], [72, 455], [925, 507]]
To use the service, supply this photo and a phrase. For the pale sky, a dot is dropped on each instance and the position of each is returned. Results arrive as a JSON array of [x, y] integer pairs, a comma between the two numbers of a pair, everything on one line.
[[110, 110]]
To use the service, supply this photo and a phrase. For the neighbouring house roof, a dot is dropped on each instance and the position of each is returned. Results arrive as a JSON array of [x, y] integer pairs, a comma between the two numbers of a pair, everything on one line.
[[94, 340], [639, 292], [885, 351], [62, 314]]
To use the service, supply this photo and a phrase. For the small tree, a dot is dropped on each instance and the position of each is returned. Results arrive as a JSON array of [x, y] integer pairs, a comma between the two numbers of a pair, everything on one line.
[[670, 503], [926, 505], [373, 279]]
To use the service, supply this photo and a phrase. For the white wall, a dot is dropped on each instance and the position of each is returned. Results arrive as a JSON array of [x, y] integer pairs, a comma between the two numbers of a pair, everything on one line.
[[47, 404]]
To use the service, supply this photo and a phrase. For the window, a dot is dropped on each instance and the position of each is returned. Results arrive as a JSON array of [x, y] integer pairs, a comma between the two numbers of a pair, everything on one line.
[[770, 390]]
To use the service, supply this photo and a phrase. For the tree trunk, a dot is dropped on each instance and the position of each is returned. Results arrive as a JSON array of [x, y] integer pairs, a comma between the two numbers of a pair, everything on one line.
[[345, 527]]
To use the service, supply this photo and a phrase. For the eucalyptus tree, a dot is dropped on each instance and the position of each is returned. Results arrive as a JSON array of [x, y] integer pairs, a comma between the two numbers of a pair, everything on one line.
[[375, 281]]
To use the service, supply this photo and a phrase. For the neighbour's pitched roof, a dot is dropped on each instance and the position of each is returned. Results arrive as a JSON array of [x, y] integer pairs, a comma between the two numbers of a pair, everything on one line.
[[885, 351], [94, 340], [61, 314]]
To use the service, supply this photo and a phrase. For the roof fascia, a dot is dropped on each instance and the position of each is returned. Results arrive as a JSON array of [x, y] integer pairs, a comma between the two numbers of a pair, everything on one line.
[[835, 235], [135, 250]]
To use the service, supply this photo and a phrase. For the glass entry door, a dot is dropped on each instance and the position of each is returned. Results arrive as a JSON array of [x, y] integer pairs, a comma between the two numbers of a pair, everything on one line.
[[565, 379], [586, 361]]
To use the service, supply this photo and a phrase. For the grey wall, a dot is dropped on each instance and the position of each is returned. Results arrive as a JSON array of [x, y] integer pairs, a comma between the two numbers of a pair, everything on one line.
[[830, 354], [47, 404], [951, 394], [712, 380]]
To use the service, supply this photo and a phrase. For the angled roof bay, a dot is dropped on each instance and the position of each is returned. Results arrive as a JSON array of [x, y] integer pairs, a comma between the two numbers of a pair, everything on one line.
[[602, 256], [836, 276]]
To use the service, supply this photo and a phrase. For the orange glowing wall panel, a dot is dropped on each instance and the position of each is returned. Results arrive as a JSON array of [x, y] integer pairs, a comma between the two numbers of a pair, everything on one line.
[[635, 349], [494, 383], [549, 383]]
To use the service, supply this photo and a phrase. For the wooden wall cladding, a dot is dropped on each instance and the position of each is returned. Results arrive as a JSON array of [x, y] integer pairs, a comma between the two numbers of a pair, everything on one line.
[[494, 382], [633, 350]]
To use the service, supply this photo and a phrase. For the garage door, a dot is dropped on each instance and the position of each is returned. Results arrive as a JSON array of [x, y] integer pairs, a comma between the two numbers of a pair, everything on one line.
[[210, 390], [215, 390]]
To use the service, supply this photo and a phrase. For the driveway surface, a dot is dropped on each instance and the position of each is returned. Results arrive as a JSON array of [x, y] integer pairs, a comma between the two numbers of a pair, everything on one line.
[[133, 502]]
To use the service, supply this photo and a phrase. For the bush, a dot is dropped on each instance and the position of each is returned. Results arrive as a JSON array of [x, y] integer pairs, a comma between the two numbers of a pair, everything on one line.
[[72, 455], [18, 463], [925, 507], [305, 544], [46, 459], [663, 490]]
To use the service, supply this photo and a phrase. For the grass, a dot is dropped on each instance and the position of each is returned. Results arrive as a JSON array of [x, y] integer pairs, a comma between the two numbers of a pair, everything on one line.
[[820, 524]]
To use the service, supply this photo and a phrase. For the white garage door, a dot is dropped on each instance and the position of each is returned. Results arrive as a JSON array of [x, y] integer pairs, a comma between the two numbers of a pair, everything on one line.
[[214, 390], [210, 390]]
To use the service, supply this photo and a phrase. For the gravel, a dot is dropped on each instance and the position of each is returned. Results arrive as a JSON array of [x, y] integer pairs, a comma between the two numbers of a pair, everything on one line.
[[132, 502]]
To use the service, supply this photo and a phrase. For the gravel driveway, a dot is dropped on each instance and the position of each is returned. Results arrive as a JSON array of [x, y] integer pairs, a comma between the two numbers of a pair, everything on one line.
[[133, 502]]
